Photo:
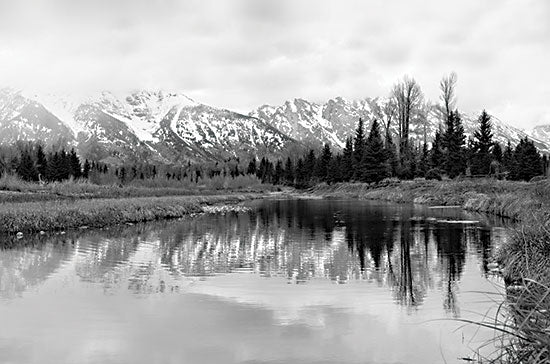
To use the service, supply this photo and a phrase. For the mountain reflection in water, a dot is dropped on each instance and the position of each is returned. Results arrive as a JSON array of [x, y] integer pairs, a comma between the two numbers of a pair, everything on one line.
[[405, 249], [291, 281]]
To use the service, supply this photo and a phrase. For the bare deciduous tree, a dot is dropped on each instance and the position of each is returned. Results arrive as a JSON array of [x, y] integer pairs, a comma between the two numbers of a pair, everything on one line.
[[447, 86], [408, 98], [390, 109]]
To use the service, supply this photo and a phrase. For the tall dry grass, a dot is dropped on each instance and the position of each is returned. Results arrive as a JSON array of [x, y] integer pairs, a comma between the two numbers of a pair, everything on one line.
[[61, 215], [13, 189]]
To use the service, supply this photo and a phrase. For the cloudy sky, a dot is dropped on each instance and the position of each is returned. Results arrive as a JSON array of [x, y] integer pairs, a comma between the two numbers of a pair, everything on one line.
[[244, 53]]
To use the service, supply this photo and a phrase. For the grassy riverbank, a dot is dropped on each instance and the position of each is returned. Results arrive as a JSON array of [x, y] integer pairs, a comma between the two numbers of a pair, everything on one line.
[[525, 258], [61, 215], [510, 199], [13, 189]]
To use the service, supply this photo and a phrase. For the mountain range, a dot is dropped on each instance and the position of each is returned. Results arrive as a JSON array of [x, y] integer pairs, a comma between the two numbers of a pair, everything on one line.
[[171, 128]]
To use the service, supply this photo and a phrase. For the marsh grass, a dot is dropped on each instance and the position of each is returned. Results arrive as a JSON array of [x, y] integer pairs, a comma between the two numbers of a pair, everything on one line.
[[521, 332], [503, 198], [61, 215], [13, 189]]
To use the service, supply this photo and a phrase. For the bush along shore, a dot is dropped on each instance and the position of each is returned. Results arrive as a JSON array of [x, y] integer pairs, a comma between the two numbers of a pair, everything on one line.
[[33, 217], [522, 328]]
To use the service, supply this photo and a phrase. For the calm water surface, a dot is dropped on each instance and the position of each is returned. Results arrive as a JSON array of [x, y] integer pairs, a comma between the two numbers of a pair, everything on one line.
[[291, 281]]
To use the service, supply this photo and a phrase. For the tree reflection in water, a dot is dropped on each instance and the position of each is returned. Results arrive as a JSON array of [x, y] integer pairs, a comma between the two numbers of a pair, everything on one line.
[[397, 246]]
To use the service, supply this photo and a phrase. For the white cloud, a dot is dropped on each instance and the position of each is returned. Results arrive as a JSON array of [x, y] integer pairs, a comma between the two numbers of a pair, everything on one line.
[[241, 54]]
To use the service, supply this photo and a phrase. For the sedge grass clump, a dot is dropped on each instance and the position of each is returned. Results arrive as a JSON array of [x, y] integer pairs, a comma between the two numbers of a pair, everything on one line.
[[521, 326], [69, 214], [525, 328]]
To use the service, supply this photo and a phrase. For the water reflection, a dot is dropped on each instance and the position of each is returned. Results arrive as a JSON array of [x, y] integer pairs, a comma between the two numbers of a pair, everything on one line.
[[408, 250], [288, 282]]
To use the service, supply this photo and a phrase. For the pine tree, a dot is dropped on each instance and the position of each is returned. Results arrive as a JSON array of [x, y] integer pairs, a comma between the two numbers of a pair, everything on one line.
[[278, 174], [483, 142], [41, 162], [75, 167], [65, 165], [453, 141], [373, 164], [335, 171], [323, 163], [309, 165], [56, 167], [26, 168], [424, 164], [301, 174], [527, 161], [437, 156], [251, 166], [86, 169], [496, 152], [358, 148], [289, 171], [391, 156], [508, 159], [347, 160]]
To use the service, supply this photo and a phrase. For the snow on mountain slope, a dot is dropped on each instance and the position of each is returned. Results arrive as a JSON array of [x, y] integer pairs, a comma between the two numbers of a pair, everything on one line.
[[301, 120], [171, 127], [164, 126], [335, 120], [24, 119], [541, 132]]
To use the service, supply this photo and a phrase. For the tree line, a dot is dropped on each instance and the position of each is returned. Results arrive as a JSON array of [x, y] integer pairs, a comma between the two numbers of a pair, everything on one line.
[[377, 154], [368, 158], [33, 162], [368, 155]]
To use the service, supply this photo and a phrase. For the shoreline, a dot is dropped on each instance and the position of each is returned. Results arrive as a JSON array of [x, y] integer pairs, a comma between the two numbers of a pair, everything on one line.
[[486, 196], [60, 215], [524, 260]]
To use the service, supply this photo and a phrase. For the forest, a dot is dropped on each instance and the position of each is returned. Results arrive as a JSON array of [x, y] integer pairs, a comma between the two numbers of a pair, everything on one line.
[[373, 153]]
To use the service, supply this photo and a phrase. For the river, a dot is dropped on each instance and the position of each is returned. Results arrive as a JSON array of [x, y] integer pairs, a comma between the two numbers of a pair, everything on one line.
[[289, 281]]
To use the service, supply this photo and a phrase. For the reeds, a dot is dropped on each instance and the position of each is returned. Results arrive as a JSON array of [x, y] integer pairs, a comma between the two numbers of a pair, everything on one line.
[[521, 326], [61, 215], [13, 189]]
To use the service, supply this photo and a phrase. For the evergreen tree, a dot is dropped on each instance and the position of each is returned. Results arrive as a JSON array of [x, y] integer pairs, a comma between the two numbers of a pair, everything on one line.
[[527, 161], [26, 168], [65, 166], [347, 160], [56, 167], [86, 170], [424, 164], [437, 156], [289, 171], [483, 142], [278, 174], [358, 148], [251, 166], [335, 171], [309, 165], [391, 156], [453, 142], [41, 162], [75, 167], [301, 174], [496, 152], [373, 164], [323, 163], [508, 159]]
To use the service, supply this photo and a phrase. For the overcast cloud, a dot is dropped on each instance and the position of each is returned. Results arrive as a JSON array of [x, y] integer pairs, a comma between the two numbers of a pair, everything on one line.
[[242, 54]]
